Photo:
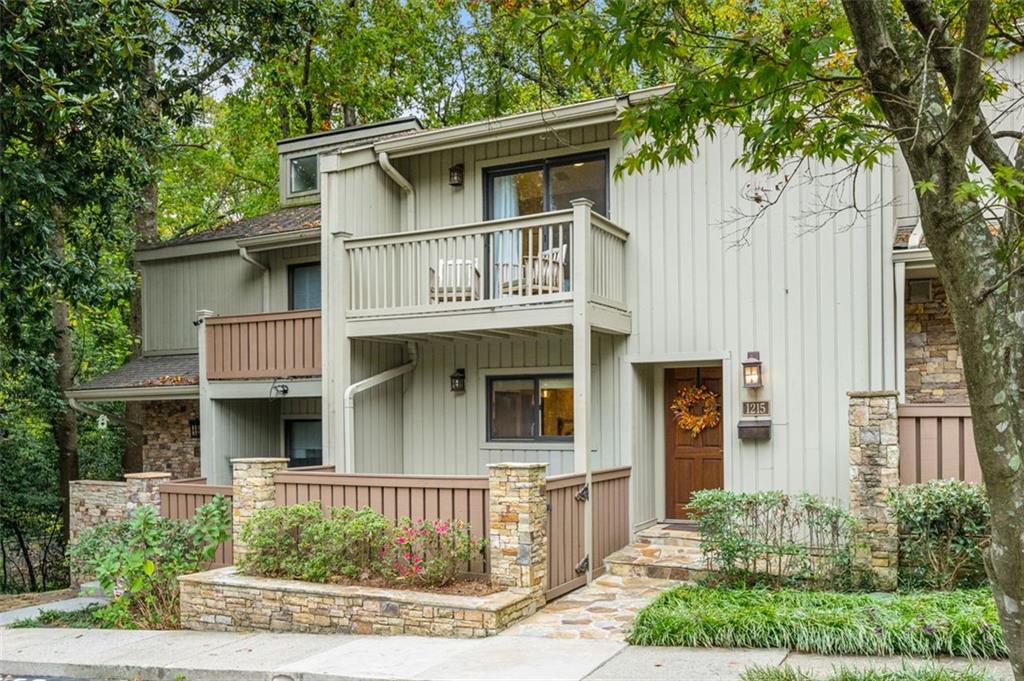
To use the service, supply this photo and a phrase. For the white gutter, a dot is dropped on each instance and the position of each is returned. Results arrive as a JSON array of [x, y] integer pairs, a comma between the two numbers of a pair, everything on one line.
[[366, 384], [244, 252], [89, 411], [410, 194]]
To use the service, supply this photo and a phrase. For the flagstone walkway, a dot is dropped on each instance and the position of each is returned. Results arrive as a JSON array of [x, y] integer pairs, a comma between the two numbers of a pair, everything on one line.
[[603, 610]]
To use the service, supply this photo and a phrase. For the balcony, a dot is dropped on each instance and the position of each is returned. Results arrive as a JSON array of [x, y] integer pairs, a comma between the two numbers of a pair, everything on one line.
[[524, 272], [263, 346]]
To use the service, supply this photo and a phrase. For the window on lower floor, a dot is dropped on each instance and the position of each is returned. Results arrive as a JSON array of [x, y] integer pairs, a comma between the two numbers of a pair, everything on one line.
[[303, 442], [529, 408]]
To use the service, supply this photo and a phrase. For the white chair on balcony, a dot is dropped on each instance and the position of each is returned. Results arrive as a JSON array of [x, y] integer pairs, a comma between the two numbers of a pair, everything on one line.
[[455, 280], [536, 275]]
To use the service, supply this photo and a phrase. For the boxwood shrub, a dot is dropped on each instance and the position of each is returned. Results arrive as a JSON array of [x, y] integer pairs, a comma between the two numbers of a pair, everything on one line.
[[943, 528]]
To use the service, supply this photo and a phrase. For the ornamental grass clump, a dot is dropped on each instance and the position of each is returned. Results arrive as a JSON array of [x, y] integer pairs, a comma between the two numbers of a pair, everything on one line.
[[773, 538], [298, 542], [959, 623], [944, 525], [927, 672]]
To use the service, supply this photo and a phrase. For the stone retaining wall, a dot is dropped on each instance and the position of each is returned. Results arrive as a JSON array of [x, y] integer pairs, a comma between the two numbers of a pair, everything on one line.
[[94, 502], [223, 600]]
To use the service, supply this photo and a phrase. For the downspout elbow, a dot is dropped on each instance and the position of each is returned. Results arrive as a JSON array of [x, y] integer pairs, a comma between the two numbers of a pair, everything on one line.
[[349, 400], [401, 181], [244, 253]]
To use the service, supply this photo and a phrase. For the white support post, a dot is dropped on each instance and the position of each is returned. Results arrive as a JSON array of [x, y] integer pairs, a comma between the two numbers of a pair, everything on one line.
[[337, 360], [581, 365], [207, 418], [901, 329]]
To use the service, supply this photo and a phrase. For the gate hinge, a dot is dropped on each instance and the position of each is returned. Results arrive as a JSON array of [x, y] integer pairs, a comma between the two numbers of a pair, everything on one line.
[[583, 565], [583, 494]]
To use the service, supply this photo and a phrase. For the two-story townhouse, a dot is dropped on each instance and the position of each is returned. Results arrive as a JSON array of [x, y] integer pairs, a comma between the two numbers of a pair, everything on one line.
[[431, 301]]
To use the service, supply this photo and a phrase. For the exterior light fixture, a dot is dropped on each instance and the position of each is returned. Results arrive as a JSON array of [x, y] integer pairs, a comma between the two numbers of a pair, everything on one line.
[[457, 175], [752, 377], [458, 381], [193, 428]]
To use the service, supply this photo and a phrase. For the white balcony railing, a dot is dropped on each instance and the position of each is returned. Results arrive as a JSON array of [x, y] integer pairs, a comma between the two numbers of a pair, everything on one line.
[[509, 262]]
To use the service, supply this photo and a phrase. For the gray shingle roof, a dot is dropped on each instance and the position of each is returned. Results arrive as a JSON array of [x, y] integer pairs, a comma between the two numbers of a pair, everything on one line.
[[278, 221], [155, 370]]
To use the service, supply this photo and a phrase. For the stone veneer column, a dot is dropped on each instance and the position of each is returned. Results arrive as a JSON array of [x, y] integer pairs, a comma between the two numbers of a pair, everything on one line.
[[144, 490], [518, 535], [874, 470], [252, 489]]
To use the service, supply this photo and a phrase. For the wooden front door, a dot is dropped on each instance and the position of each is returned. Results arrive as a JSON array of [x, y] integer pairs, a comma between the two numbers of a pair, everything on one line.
[[691, 463]]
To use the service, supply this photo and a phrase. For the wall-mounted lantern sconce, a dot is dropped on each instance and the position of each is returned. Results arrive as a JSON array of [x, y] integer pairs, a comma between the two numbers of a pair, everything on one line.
[[193, 428], [457, 175], [752, 377], [458, 381]]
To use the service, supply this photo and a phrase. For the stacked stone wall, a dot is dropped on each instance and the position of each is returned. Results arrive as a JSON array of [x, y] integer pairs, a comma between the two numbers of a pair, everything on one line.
[[874, 470], [167, 443], [518, 526], [934, 367], [222, 600], [94, 502]]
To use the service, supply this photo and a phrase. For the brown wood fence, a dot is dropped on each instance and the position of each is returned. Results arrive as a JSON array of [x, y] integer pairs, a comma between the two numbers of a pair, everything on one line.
[[937, 441], [179, 501], [271, 345], [437, 497], [426, 497]]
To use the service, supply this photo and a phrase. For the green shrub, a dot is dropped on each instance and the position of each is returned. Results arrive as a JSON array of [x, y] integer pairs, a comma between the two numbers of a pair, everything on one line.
[[943, 527], [298, 542], [138, 561], [274, 540], [775, 538], [959, 623], [927, 672]]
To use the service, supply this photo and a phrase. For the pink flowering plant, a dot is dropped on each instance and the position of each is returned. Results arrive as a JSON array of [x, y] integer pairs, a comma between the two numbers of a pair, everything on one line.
[[433, 552]]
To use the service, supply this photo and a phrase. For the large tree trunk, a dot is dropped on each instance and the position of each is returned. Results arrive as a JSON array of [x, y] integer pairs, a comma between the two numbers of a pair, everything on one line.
[[65, 421], [990, 331]]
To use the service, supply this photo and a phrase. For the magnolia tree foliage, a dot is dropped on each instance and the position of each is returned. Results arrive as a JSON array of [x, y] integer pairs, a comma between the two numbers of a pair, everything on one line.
[[848, 84]]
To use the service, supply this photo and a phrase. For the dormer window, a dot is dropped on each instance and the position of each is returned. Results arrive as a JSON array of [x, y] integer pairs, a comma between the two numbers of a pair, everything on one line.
[[302, 174]]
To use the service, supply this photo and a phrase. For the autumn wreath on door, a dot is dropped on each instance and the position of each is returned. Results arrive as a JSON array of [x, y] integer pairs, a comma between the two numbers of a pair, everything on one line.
[[684, 405]]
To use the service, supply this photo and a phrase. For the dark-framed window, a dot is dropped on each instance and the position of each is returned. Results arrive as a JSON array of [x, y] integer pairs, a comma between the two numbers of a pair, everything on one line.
[[304, 286], [530, 408], [546, 185], [303, 442], [303, 174]]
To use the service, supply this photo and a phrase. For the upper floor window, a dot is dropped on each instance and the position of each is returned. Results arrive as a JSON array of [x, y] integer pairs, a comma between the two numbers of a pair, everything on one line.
[[302, 174], [547, 185], [537, 408], [304, 286]]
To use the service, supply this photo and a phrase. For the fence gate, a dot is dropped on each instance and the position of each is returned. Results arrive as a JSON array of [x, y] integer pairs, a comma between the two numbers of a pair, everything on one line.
[[566, 569]]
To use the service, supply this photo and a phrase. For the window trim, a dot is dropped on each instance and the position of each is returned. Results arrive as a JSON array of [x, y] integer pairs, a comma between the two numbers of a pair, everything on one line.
[[316, 177], [286, 421], [291, 283], [544, 165], [536, 377]]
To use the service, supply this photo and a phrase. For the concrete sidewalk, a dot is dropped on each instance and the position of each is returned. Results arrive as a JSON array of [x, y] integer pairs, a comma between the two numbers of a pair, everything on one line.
[[202, 656]]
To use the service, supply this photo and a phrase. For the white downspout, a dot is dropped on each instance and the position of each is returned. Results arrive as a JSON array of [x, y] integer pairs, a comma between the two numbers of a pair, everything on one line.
[[410, 194], [244, 252], [366, 384]]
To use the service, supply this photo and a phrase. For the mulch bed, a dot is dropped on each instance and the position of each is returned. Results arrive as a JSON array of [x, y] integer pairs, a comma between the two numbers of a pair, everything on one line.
[[460, 587]]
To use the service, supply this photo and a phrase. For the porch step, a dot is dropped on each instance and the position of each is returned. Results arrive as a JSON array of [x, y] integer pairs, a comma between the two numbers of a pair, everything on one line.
[[669, 535], [657, 561]]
